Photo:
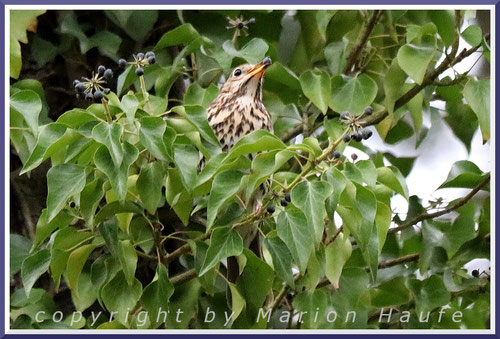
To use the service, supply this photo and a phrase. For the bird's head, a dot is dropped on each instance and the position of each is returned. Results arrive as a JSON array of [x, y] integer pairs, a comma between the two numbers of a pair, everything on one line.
[[246, 80]]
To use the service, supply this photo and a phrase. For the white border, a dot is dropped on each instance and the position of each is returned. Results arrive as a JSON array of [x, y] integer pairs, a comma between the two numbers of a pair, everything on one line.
[[231, 331]]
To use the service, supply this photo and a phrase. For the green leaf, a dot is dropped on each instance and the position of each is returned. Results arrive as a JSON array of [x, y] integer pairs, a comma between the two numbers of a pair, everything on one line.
[[177, 196], [225, 185], [149, 185], [90, 197], [253, 52], [477, 95], [75, 118], [462, 121], [137, 23], [295, 232], [224, 242], [237, 301], [76, 261], [336, 55], [117, 207], [392, 178], [316, 87], [128, 259], [118, 176], [63, 182], [187, 157], [414, 59], [197, 116], [19, 250], [383, 221], [184, 34], [129, 105], [48, 135], [29, 105], [352, 94], [257, 141], [125, 79], [118, 296], [429, 293], [390, 293], [44, 228], [337, 253], [445, 23], [282, 259], [156, 295], [20, 21], [197, 95], [109, 135], [463, 174], [156, 137], [473, 35], [323, 18], [310, 198], [33, 267], [393, 85], [282, 75]]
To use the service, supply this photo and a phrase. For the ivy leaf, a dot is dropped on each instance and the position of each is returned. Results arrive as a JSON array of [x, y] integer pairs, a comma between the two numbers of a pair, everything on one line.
[[90, 197], [282, 259], [156, 137], [253, 52], [198, 96], [473, 35], [118, 176], [109, 135], [44, 228], [316, 87], [224, 242], [310, 198], [63, 182], [352, 94], [463, 174], [156, 295], [33, 267], [392, 178], [323, 19], [337, 253], [184, 34], [393, 85], [414, 59], [177, 196], [295, 232], [429, 293], [19, 250], [187, 157], [137, 24], [197, 116], [477, 95], [29, 105], [149, 185], [445, 23], [336, 55], [225, 185], [257, 141], [129, 105], [76, 261], [118, 295]]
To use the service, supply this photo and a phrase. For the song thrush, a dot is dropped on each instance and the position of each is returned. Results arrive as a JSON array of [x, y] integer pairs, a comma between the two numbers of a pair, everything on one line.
[[235, 112], [238, 109]]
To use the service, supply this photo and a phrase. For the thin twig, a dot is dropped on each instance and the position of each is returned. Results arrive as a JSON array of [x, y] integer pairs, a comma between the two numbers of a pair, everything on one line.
[[456, 205]]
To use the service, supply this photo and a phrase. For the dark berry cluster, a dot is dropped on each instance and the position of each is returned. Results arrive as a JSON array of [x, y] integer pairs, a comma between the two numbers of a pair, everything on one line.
[[94, 88], [359, 133], [140, 61]]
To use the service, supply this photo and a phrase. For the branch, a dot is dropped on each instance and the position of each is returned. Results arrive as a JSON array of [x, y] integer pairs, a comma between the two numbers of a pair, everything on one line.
[[355, 54], [183, 277], [427, 216]]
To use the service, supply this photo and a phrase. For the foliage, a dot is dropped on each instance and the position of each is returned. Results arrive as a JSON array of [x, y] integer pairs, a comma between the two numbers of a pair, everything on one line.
[[132, 225]]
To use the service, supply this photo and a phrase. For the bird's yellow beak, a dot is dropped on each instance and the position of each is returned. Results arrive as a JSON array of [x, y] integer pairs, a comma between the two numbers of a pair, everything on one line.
[[260, 67]]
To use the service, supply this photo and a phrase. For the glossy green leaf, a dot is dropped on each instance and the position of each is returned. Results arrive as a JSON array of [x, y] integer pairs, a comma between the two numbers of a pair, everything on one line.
[[33, 267], [156, 295], [119, 296], [464, 174], [445, 23], [63, 182], [298, 236], [282, 259], [429, 293], [310, 198], [257, 141], [225, 185], [352, 94], [316, 87], [44, 227], [149, 185], [337, 253], [224, 242], [414, 59], [473, 35], [19, 250], [336, 55], [253, 52], [187, 157], [76, 261], [197, 116], [184, 34], [129, 105], [477, 95], [156, 137], [109, 135], [29, 105], [392, 178]]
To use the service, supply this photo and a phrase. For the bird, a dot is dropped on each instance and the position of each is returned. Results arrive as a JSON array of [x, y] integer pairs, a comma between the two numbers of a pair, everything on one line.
[[238, 109]]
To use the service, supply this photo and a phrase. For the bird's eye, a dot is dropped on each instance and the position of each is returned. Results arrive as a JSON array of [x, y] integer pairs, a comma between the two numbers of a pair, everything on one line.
[[237, 72]]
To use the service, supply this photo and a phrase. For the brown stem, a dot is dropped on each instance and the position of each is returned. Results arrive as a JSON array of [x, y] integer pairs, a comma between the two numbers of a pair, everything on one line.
[[355, 54], [183, 277], [397, 261], [456, 205]]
